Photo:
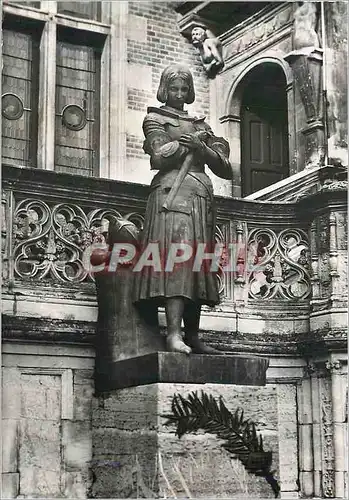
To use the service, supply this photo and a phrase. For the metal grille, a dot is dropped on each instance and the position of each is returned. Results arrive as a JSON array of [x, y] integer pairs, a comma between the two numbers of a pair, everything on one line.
[[77, 109]]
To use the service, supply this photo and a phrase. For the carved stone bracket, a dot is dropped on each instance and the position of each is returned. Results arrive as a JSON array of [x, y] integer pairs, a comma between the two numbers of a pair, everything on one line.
[[201, 34]]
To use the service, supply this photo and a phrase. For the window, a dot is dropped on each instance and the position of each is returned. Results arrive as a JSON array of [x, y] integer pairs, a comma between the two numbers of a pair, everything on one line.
[[82, 9], [51, 82], [77, 106], [20, 78]]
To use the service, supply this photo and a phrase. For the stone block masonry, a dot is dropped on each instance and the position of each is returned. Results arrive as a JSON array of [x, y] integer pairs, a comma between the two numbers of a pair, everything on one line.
[[135, 454], [47, 445]]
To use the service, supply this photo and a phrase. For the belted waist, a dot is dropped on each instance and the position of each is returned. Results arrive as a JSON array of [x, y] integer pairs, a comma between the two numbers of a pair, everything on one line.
[[195, 182]]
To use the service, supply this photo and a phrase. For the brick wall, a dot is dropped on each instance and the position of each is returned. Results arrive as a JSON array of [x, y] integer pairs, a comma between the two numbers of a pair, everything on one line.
[[154, 42]]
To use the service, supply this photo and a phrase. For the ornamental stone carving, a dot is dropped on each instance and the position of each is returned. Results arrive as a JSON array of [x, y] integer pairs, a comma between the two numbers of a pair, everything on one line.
[[209, 48], [328, 475], [50, 241], [280, 264], [254, 35]]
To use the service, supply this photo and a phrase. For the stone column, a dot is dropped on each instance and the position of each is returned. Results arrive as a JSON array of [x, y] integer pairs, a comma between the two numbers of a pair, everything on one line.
[[306, 64], [232, 126], [338, 399], [316, 419], [46, 129], [305, 420]]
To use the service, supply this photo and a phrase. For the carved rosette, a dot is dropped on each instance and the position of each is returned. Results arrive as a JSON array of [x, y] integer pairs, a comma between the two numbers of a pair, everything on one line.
[[49, 241], [278, 264]]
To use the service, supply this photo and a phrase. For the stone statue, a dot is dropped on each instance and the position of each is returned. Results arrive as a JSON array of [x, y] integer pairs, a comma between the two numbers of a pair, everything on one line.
[[305, 24], [180, 210], [210, 50]]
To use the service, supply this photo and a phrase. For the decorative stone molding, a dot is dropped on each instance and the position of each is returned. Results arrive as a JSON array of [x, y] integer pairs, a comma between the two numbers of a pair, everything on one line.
[[258, 30], [335, 185], [328, 466]]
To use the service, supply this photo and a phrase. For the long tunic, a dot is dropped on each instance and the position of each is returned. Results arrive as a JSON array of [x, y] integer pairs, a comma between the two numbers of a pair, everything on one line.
[[191, 218]]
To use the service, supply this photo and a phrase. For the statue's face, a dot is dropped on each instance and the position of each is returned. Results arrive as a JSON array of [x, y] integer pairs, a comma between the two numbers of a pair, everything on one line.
[[198, 35], [178, 91]]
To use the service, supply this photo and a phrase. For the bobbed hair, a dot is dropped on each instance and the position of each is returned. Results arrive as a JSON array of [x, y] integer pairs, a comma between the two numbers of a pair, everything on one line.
[[169, 74]]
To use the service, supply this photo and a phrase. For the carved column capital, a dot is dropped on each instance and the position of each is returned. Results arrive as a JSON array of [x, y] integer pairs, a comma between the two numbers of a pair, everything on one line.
[[334, 366]]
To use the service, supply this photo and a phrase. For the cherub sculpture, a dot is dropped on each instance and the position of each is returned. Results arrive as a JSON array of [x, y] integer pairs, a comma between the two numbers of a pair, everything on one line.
[[209, 48], [305, 25]]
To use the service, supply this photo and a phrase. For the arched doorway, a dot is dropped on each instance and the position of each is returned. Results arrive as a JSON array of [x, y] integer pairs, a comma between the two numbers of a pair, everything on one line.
[[264, 128]]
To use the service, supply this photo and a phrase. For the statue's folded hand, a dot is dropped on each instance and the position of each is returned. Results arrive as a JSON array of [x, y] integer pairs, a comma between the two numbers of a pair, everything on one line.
[[191, 141]]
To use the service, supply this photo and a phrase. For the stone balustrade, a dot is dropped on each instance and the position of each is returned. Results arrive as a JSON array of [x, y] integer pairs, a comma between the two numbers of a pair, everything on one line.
[[266, 273]]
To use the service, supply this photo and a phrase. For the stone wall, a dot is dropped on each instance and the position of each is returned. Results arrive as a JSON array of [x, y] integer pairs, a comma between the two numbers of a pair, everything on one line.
[[46, 411]]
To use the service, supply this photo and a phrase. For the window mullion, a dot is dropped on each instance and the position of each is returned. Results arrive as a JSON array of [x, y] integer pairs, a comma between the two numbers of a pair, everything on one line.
[[118, 90], [47, 96]]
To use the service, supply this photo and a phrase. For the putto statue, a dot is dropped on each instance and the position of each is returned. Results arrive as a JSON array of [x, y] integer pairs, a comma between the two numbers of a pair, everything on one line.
[[180, 213], [209, 48], [305, 26]]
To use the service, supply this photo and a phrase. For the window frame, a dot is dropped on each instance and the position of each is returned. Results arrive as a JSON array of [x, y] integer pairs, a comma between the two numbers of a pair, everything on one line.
[[12, 23], [96, 42], [50, 20]]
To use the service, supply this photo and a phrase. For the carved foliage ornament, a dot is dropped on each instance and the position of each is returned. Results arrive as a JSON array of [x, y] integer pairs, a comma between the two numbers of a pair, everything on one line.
[[279, 264], [328, 478], [259, 33], [49, 241]]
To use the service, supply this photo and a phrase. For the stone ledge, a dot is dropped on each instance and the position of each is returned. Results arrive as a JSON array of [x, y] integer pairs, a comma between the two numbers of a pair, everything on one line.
[[179, 368]]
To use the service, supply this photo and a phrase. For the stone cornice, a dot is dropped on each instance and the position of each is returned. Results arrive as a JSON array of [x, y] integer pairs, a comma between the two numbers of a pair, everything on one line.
[[57, 331]]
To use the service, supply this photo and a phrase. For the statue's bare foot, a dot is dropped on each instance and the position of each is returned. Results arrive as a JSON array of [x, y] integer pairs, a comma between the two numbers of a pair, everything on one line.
[[175, 343], [199, 347]]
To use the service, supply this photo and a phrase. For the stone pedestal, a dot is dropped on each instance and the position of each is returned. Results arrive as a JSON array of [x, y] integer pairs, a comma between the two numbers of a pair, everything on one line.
[[179, 368], [136, 456]]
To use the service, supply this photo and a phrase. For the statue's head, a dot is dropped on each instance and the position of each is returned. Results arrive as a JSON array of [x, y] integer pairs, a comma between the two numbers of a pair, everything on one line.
[[198, 35], [176, 76]]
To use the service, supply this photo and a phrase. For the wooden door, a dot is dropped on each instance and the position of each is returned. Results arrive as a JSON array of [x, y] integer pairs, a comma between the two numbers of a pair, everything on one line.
[[264, 144]]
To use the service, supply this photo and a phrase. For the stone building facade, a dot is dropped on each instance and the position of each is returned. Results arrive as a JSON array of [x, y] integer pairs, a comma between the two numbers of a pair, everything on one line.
[[77, 79]]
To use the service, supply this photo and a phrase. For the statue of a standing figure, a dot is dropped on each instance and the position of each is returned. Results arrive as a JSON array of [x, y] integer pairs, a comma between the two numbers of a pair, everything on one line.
[[180, 209]]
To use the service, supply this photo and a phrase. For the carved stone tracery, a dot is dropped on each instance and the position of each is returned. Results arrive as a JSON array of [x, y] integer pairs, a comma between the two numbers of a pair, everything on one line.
[[49, 241], [279, 265]]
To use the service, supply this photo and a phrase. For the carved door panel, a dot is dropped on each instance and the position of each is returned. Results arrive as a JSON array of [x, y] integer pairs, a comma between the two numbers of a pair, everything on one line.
[[264, 147]]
